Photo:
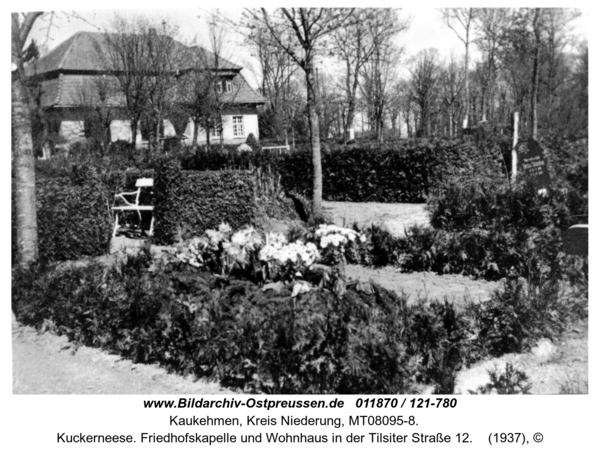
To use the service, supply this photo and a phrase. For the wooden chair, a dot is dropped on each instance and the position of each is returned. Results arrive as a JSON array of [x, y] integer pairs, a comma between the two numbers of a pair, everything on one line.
[[126, 197]]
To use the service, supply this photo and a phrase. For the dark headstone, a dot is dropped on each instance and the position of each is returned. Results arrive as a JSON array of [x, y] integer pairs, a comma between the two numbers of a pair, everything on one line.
[[575, 240], [531, 163]]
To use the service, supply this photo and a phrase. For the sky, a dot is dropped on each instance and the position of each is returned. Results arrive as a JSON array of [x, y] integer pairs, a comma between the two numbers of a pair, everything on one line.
[[427, 30]]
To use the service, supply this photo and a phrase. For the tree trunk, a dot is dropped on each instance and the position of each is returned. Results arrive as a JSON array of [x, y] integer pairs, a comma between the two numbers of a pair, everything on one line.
[[535, 75], [195, 136], [467, 97], [134, 129], [350, 119], [157, 135], [22, 144], [24, 168], [315, 141]]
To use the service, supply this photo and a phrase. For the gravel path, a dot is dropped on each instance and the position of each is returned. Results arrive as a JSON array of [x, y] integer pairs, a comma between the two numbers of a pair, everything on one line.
[[395, 216], [454, 288], [44, 363]]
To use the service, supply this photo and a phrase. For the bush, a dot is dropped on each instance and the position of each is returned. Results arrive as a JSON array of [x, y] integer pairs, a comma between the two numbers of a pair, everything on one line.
[[196, 201], [519, 314], [395, 172], [73, 217], [228, 159], [392, 172], [459, 205], [364, 341], [438, 334], [511, 381], [253, 142]]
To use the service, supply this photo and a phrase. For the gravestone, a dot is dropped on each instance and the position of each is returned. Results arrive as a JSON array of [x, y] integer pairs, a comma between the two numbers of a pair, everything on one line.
[[531, 163], [575, 240]]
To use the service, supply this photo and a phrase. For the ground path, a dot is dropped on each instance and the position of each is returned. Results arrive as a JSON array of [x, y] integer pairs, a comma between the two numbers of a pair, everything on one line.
[[394, 216]]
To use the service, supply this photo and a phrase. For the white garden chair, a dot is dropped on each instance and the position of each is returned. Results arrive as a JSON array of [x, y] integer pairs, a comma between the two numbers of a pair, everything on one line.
[[132, 203]]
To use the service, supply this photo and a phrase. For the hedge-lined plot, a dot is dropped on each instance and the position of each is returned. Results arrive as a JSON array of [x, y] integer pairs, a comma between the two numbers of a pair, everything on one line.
[[196, 201]]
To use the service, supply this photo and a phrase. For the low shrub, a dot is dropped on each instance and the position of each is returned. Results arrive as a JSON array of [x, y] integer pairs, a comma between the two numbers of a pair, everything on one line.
[[459, 205], [253, 143], [511, 381], [521, 313], [364, 340], [438, 335]]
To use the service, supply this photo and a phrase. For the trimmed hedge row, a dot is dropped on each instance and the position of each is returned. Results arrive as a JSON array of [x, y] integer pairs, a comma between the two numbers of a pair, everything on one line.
[[391, 172], [73, 218], [196, 201]]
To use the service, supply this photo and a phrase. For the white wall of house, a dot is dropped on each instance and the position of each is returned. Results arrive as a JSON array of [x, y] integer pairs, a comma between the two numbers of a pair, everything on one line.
[[121, 130], [72, 131], [236, 129]]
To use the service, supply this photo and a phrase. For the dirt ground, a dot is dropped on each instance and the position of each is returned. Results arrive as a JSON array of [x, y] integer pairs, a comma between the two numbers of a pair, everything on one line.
[[44, 363], [559, 367], [451, 287], [395, 216]]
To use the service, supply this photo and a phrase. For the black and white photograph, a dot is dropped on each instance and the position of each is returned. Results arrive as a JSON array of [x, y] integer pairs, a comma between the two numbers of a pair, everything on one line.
[[284, 201]]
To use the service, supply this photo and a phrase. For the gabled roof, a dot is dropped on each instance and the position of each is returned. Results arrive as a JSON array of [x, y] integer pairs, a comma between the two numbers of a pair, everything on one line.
[[82, 53], [70, 70], [76, 90]]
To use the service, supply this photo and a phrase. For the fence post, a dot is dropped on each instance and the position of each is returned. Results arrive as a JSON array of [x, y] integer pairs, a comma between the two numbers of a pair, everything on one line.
[[513, 172]]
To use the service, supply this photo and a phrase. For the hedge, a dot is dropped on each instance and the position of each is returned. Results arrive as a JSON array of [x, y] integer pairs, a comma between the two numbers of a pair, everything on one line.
[[196, 201], [73, 218], [400, 172]]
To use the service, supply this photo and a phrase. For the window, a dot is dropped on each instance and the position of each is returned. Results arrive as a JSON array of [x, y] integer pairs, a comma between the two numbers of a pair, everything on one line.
[[224, 86], [215, 133], [238, 126]]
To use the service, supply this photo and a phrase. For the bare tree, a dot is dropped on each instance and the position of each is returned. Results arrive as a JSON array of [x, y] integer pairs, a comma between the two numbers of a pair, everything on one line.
[[357, 43], [451, 83], [276, 75], [300, 32], [166, 55], [424, 81], [144, 63], [205, 90], [23, 159], [490, 24], [456, 19], [99, 100], [378, 71]]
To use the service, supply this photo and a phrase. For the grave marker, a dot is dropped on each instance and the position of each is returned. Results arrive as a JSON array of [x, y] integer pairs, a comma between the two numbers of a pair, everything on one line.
[[575, 240], [531, 163]]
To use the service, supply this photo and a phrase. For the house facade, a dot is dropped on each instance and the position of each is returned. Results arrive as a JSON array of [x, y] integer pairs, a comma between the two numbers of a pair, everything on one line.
[[80, 95]]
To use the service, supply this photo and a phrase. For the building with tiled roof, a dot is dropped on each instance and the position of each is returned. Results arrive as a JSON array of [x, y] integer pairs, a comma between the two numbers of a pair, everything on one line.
[[71, 73]]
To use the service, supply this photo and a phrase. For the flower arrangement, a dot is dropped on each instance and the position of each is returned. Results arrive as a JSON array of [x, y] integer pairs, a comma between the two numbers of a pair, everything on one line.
[[269, 257], [264, 257], [333, 240], [285, 260]]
